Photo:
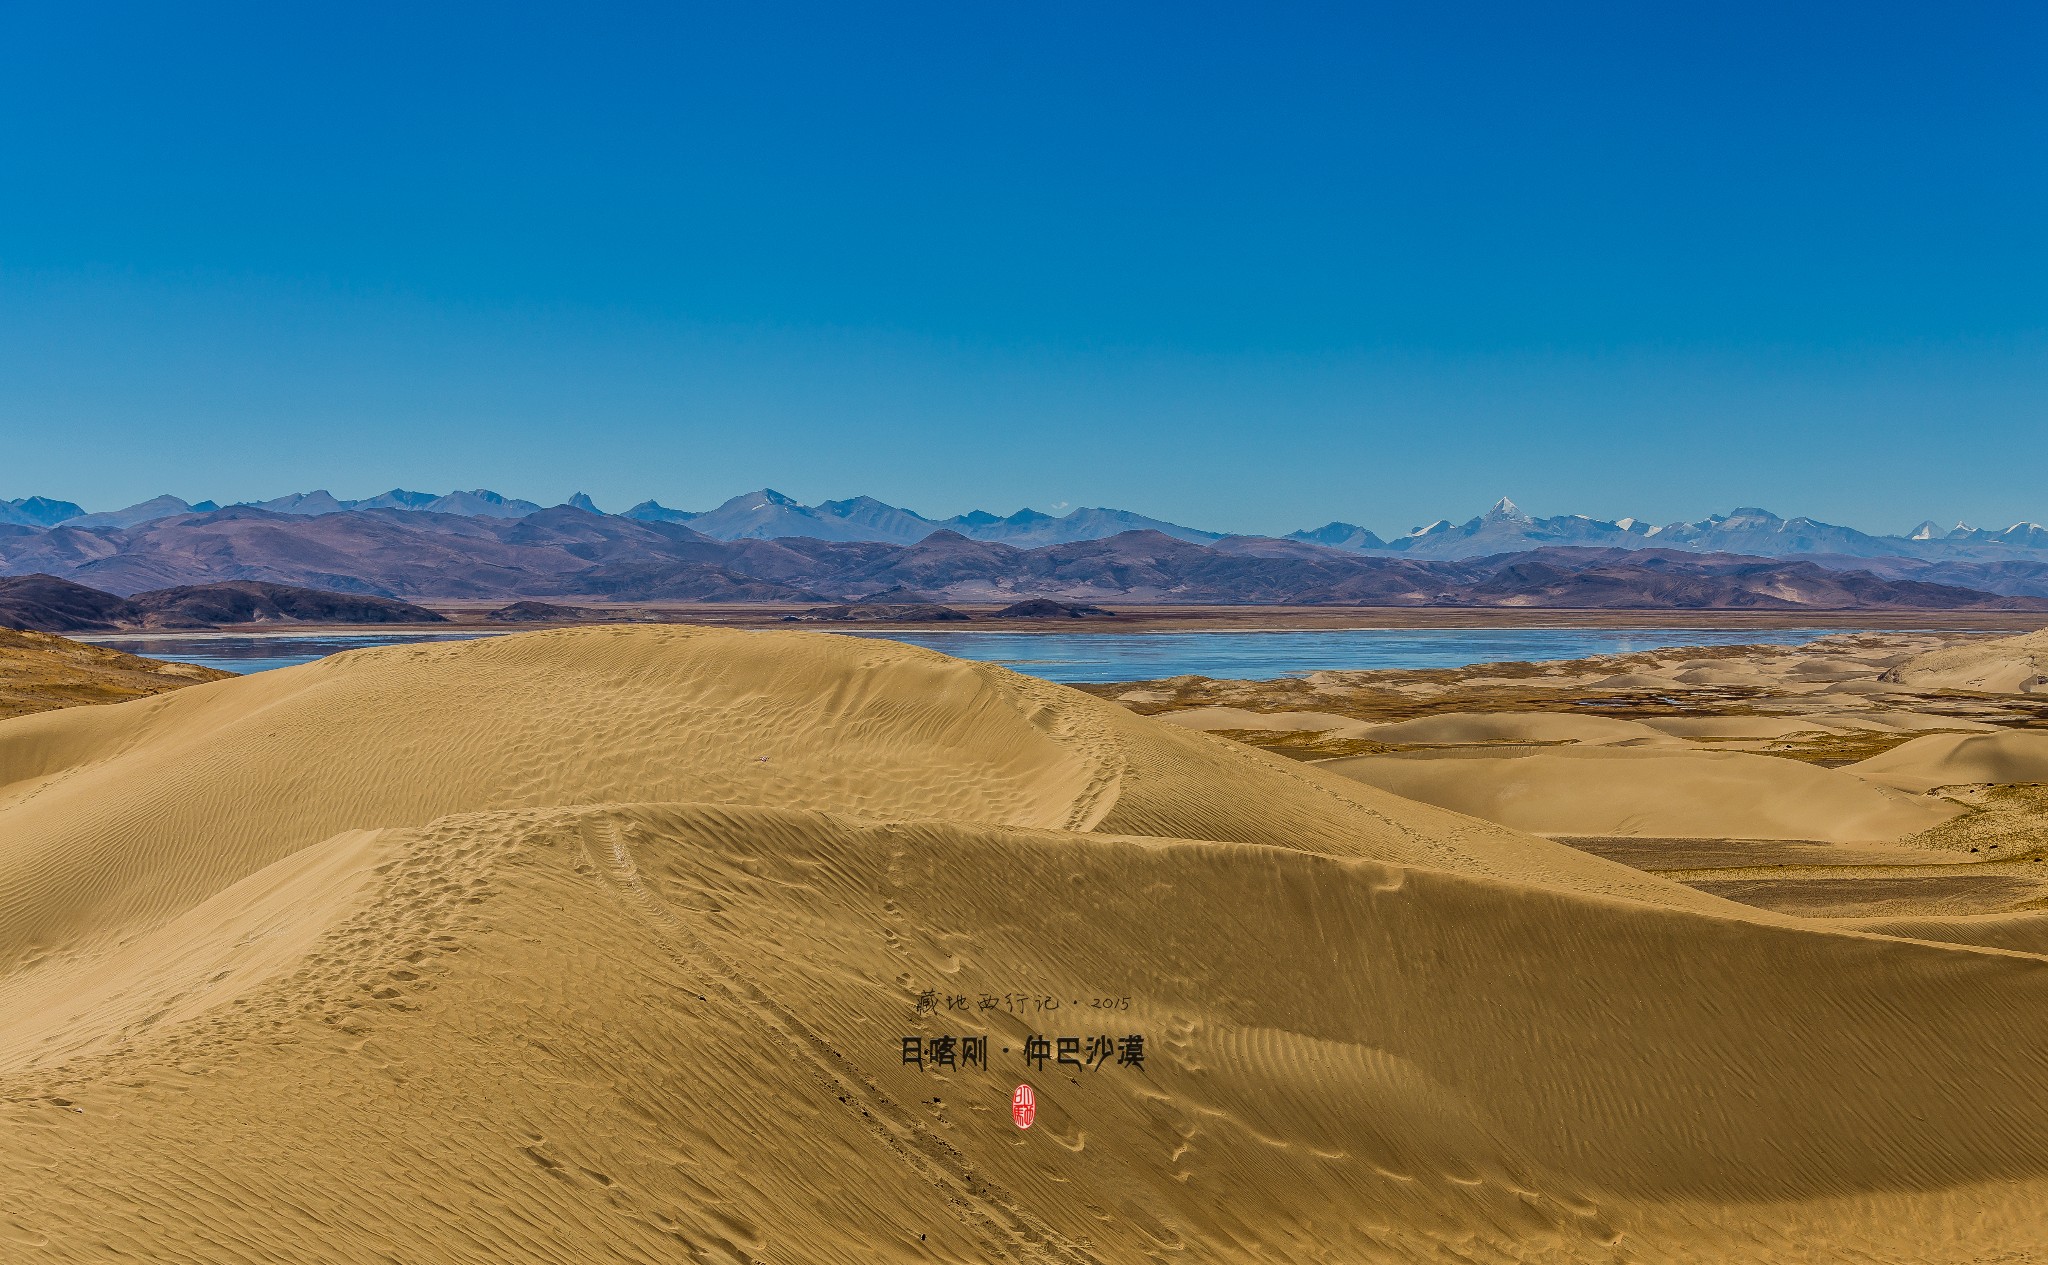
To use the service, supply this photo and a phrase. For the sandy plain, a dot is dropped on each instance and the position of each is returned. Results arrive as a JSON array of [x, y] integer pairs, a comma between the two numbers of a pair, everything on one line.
[[602, 944]]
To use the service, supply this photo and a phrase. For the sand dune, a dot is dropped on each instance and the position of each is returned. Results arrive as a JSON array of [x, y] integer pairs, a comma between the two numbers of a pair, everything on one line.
[[1537, 727], [1737, 726], [1717, 674], [2001, 758], [2001, 665], [1660, 794], [1448, 728], [1640, 681], [600, 945], [1212, 719], [1895, 720]]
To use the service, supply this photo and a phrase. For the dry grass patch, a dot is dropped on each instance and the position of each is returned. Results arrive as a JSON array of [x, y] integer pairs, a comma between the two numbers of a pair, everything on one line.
[[41, 672], [2006, 823]]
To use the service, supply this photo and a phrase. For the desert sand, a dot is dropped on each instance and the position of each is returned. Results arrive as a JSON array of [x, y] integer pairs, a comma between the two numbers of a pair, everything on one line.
[[2006, 665], [1594, 790], [2004, 758], [601, 945]]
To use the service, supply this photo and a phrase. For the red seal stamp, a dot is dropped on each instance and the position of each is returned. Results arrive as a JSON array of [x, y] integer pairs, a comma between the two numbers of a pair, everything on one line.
[[1023, 1106]]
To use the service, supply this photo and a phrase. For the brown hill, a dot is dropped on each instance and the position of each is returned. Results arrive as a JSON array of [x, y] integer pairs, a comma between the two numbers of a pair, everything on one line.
[[44, 603], [1623, 579], [881, 612], [394, 553], [234, 602], [48, 604], [40, 672], [1046, 608], [547, 612]]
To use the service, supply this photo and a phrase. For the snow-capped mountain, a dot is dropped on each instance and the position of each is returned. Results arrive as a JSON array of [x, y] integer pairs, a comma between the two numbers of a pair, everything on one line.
[[1751, 531]]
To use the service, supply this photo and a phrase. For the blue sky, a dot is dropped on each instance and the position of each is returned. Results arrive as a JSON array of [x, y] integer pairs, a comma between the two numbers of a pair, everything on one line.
[[1251, 267]]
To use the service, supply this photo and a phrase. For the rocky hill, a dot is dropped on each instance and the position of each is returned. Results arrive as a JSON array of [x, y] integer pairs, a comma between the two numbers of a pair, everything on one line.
[[46, 603], [40, 672]]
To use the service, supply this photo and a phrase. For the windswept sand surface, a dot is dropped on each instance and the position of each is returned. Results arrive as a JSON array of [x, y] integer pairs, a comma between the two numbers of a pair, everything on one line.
[[600, 945], [1992, 759], [2007, 665], [1858, 777], [1706, 794]]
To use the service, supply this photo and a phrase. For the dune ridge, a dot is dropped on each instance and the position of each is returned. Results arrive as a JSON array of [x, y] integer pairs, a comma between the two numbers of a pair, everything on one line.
[[599, 945], [1980, 759]]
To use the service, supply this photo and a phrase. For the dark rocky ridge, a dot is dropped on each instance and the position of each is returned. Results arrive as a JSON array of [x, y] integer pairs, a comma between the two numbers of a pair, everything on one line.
[[543, 612], [44, 603], [1046, 608], [880, 612]]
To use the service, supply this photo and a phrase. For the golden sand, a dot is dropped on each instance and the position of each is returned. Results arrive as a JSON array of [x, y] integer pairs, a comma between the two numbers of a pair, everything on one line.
[[599, 945]]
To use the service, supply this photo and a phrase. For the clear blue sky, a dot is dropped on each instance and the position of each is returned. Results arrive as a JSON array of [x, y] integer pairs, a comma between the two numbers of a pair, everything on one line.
[[1252, 267]]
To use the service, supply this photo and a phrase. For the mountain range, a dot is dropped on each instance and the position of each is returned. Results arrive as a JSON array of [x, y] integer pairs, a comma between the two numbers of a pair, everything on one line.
[[769, 515], [1754, 532], [567, 552]]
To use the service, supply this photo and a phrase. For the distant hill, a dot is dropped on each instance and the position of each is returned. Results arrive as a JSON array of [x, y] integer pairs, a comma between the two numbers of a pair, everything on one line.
[[1755, 532], [760, 515], [769, 515], [44, 603], [135, 515], [1340, 536], [480, 503], [232, 603], [38, 511]]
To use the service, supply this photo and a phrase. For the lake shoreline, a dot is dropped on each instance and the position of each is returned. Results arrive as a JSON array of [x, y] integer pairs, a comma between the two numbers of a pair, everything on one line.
[[468, 618], [1076, 656]]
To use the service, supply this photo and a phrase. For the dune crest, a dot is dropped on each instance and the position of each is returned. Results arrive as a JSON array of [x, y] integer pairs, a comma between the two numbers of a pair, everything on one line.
[[1982, 759], [602, 945]]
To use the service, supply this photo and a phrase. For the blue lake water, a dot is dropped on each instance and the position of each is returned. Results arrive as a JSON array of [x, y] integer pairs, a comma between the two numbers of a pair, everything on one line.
[[1097, 656], [241, 652]]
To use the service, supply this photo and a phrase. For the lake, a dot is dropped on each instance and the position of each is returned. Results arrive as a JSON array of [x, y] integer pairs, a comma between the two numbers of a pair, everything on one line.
[[1092, 656]]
